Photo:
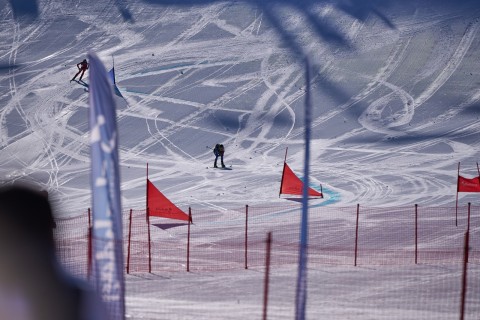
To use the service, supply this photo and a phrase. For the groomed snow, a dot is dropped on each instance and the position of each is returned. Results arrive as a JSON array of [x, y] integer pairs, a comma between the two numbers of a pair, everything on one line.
[[395, 89]]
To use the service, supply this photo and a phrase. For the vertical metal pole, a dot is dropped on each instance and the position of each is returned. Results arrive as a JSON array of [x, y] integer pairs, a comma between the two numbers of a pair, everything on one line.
[[463, 295], [416, 233], [267, 275], [188, 238], [356, 235], [129, 241]]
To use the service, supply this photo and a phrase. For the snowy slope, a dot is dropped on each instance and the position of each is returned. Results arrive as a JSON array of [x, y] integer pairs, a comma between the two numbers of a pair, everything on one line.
[[395, 93], [395, 96]]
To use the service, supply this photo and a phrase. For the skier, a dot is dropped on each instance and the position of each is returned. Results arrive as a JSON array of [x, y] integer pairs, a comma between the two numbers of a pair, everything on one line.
[[219, 150], [82, 67]]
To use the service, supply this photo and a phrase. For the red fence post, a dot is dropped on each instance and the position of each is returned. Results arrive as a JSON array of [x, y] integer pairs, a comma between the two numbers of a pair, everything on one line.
[[416, 233], [246, 236], [267, 275], [129, 240], [149, 243], [188, 238], [356, 235], [468, 226], [89, 249], [463, 294], [468, 219]]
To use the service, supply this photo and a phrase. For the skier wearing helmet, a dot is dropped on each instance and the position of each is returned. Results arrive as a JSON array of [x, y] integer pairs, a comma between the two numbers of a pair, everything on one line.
[[82, 67], [218, 151]]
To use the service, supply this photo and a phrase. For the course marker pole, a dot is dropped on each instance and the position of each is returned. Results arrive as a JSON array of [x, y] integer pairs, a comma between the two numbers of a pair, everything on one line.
[[356, 235]]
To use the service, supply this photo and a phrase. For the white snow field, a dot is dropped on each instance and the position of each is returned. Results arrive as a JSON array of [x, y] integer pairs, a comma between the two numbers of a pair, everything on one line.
[[396, 98]]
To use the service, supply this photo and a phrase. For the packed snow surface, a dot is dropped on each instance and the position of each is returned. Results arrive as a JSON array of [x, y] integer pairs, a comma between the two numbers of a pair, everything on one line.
[[395, 95], [394, 91]]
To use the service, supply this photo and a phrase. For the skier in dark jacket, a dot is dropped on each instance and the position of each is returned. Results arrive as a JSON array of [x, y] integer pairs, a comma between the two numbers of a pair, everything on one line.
[[82, 67], [219, 150]]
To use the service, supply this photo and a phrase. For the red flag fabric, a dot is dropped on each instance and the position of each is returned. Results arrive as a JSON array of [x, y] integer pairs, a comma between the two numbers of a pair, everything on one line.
[[160, 206], [292, 185], [468, 185]]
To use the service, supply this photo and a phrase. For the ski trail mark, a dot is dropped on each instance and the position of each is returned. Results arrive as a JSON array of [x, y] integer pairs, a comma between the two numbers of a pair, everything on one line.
[[451, 67]]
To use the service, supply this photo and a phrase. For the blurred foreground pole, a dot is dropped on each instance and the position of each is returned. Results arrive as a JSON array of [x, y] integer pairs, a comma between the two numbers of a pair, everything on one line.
[[301, 293], [107, 217]]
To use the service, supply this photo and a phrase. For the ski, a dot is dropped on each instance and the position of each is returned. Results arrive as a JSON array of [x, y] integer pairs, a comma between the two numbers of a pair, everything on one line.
[[224, 168]]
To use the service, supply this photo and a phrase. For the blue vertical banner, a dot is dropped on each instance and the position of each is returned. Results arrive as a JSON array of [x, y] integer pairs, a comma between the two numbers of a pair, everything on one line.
[[301, 293], [107, 211]]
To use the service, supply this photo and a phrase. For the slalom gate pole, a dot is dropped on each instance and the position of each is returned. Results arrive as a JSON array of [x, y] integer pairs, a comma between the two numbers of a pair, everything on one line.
[[90, 245], [146, 190], [188, 238], [246, 236], [267, 275], [149, 243], [356, 235], [456, 200], [129, 241], [456, 211], [478, 170], [463, 294], [416, 233], [148, 227], [283, 173]]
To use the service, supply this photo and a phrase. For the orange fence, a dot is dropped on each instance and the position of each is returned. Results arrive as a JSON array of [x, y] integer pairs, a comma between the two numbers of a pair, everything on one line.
[[234, 238]]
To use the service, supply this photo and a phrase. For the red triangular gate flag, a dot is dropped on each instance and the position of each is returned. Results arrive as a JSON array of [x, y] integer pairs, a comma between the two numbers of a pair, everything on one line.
[[159, 206], [292, 185], [468, 185]]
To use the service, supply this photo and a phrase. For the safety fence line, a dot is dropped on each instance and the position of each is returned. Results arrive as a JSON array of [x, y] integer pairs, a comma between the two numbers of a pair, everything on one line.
[[235, 238]]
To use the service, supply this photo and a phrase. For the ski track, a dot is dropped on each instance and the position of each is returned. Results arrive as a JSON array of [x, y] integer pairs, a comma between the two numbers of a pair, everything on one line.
[[189, 62]]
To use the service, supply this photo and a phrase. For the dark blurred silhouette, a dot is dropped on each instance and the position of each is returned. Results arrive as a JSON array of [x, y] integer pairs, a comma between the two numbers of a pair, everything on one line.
[[33, 285]]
